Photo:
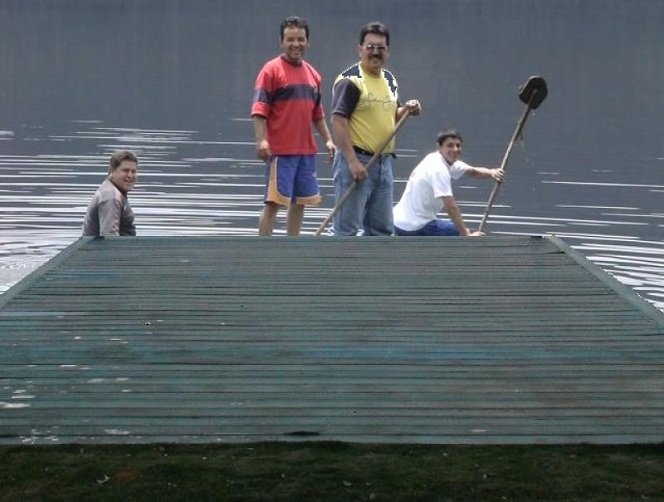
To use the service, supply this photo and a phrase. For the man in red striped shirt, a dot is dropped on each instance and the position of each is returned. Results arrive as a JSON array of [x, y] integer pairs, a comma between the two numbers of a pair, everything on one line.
[[287, 101]]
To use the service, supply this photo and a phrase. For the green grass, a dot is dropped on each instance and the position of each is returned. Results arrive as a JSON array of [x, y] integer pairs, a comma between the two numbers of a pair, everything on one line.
[[332, 471]]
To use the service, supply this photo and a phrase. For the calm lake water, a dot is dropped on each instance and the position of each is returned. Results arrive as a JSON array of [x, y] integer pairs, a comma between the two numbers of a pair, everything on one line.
[[172, 80]]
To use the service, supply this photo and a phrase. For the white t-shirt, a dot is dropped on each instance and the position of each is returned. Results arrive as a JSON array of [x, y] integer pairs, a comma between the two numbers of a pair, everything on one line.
[[428, 183]]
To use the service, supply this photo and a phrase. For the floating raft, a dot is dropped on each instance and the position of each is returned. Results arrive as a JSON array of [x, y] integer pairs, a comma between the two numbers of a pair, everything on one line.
[[492, 340]]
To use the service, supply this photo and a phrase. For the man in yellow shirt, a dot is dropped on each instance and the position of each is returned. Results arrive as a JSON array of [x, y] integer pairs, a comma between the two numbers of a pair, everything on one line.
[[365, 109]]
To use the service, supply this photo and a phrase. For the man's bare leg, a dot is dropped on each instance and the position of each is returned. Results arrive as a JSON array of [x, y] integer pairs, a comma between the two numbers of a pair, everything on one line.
[[267, 219], [295, 217]]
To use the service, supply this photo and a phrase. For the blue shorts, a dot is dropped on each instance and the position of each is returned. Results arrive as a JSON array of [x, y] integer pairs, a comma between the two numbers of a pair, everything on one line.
[[433, 228], [292, 179]]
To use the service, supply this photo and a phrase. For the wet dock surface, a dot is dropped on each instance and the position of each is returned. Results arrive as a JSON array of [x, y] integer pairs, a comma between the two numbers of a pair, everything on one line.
[[417, 340]]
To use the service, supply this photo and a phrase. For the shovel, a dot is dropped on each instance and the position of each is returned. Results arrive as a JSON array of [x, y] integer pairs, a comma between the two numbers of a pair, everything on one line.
[[532, 93]]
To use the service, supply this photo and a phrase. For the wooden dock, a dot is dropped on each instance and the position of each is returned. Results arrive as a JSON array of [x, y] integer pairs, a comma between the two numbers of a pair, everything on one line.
[[493, 340]]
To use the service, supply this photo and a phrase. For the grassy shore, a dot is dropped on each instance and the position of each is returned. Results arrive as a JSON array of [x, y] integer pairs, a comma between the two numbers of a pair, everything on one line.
[[331, 471]]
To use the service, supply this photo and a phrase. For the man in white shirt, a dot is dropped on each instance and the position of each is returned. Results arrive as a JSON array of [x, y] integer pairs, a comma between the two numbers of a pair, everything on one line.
[[429, 189]]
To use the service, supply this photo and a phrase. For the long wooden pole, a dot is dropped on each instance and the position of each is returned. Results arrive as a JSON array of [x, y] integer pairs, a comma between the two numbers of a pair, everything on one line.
[[503, 164], [372, 161]]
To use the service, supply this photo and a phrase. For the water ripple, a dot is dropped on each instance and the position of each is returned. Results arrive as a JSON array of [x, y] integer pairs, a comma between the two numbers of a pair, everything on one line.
[[184, 189]]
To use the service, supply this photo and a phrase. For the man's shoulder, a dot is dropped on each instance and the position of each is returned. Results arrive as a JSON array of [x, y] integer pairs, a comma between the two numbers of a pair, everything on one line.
[[352, 73], [275, 62], [432, 165], [461, 165], [355, 75], [388, 74], [433, 159], [108, 191], [309, 66], [458, 169], [351, 76], [312, 70], [391, 79]]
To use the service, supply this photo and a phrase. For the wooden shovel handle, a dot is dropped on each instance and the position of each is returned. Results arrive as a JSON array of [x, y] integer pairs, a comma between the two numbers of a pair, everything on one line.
[[503, 164]]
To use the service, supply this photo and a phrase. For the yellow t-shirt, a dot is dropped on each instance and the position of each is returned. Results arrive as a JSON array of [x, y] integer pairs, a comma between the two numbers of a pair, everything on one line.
[[370, 104]]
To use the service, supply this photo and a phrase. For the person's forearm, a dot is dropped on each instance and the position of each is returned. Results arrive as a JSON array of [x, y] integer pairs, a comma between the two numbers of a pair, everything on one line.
[[322, 129], [342, 137], [454, 213], [487, 172], [481, 172], [260, 128]]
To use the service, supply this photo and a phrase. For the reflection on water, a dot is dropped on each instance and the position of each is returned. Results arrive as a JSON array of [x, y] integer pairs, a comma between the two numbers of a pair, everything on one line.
[[173, 81], [181, 190], [638, 264], [186, 188]]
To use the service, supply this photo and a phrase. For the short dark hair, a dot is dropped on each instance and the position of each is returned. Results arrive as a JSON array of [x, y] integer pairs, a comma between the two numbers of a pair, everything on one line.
[[377, 28], [294, 22], [446, 134], [118, 157]]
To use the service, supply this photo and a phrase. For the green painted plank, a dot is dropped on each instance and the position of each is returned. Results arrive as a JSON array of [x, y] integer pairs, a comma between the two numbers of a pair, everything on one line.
[[263, 334]]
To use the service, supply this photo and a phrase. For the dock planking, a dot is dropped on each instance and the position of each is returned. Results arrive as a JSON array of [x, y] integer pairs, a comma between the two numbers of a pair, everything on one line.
[[379, 340]]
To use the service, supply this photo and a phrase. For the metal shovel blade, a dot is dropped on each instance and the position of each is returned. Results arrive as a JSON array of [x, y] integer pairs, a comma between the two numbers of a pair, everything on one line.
[[533, 92]]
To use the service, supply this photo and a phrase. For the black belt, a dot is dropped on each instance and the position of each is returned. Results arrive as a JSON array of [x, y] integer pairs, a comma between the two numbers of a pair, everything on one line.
[[362, 151]]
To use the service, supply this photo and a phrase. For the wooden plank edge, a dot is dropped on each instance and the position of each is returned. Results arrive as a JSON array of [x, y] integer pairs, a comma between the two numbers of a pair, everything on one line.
[[643, 305], [40, 271]]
